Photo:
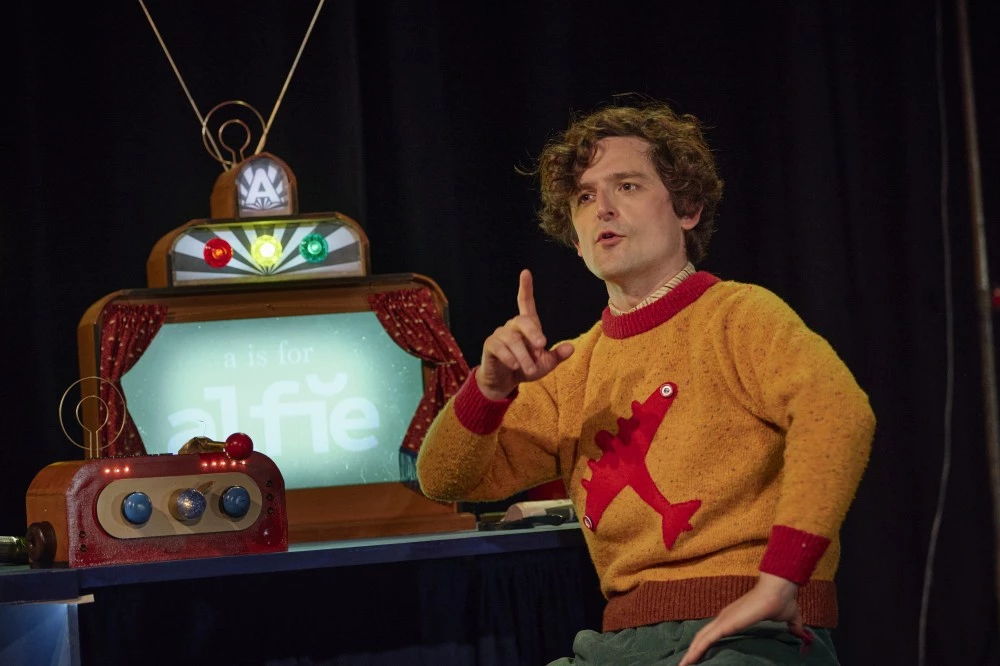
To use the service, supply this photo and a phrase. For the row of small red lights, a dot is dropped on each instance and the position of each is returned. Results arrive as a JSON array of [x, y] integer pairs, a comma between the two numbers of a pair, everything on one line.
[[238, 447], [214, 463], [222, 463]]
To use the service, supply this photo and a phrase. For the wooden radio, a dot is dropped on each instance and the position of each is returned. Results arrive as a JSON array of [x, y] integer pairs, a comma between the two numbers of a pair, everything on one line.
[[130, 509]]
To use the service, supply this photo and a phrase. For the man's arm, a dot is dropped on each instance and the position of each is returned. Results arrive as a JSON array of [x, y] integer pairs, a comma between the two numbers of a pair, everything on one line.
[[792, 378], [463, 456]]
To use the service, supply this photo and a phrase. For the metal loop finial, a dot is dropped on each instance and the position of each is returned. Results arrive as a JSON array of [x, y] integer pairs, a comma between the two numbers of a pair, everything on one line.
[[206, 135], [92, 434]]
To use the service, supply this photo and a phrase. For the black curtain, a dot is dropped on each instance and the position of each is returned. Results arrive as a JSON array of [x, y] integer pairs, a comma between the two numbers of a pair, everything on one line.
[[411, 118], [519, 609]]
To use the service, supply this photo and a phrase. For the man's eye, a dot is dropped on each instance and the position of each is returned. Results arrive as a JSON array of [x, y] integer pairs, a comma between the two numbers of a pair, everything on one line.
[[584, 198], [629, 187]]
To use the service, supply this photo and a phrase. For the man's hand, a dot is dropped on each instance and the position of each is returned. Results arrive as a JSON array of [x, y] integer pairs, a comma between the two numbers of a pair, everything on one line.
[[773, 598], [516, 351]]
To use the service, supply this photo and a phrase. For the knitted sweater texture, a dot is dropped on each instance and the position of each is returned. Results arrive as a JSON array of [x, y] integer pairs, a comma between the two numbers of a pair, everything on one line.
[[704, 438]]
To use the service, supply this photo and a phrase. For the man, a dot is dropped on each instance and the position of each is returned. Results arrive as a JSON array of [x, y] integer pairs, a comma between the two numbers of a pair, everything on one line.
[[711, 443]]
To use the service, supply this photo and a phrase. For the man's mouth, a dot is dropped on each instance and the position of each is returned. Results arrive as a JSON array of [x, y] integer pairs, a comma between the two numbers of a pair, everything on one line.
[[605, 236]]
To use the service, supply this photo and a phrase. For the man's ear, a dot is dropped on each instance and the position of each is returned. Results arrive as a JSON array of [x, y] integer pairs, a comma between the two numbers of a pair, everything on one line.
[[690, 222], [576, 244]]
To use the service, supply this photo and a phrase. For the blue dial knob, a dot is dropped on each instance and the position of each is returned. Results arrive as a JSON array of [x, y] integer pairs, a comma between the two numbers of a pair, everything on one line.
[[235, 502], [137, 508], [190, 504]]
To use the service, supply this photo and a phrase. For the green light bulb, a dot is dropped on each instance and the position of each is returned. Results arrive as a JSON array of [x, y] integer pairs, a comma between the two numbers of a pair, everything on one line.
[[314, 248]]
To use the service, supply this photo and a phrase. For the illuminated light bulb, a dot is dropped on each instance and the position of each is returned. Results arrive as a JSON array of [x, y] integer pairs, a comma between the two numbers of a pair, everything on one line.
[[218, 252], [107, 470], [266, 251], [314, 248], [118, 470], [126, 469]]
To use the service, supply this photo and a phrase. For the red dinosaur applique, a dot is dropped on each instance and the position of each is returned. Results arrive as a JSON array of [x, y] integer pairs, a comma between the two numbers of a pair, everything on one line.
[[623, 463]]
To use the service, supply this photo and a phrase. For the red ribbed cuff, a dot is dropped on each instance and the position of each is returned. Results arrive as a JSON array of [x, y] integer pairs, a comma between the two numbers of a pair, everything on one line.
[[793, 554], [477, 412]]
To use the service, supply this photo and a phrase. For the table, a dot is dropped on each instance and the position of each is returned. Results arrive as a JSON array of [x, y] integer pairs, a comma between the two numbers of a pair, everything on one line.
[[501, 597]]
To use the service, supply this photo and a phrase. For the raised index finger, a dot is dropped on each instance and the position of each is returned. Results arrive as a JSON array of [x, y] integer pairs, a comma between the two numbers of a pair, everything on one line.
[[526, 295]]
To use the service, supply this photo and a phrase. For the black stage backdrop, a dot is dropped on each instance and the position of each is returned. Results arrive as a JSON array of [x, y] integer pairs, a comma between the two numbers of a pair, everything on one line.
[[411, 118]]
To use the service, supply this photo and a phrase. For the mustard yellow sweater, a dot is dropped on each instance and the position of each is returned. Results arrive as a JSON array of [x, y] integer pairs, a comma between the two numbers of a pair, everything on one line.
[[704, 438]]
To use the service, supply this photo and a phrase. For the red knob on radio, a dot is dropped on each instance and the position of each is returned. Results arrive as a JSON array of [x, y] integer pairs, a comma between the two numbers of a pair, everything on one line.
[[239, 446]]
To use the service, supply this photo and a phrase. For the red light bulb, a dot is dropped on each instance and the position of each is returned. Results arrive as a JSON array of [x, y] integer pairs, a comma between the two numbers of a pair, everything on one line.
[[218, 252], [239, 446]]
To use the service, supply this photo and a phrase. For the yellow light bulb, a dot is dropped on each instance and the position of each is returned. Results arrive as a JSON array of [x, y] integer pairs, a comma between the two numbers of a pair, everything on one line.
[[266, 251]]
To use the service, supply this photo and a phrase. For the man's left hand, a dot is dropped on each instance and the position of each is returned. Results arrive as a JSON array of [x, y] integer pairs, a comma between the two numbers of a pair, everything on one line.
[[773, 598]]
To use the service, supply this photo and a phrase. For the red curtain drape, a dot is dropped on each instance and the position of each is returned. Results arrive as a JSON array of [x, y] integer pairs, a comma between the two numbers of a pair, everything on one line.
[[412, 321], [126, 332]]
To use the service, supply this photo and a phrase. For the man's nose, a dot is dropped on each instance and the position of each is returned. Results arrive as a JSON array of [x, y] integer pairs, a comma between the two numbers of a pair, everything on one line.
[[606, 209]]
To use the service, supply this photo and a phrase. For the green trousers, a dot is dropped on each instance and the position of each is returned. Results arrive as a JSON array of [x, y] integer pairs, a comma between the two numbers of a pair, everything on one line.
[[664, 644]]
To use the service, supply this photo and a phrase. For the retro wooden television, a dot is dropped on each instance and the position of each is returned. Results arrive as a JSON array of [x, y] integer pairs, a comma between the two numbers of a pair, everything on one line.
[[264, 321]]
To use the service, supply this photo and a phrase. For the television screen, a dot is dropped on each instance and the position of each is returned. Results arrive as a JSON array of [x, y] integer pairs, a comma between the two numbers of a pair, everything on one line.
[[316, 372], [328, 397]]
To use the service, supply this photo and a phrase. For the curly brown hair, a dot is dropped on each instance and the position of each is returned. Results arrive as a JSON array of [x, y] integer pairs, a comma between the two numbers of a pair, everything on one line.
[[678, 151]]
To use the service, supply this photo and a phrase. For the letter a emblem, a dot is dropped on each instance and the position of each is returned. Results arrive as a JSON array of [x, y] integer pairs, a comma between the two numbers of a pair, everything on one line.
[[261, 194]]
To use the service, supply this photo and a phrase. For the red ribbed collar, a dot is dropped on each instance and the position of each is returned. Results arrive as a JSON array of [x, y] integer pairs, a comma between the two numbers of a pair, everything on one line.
[[654, 314]]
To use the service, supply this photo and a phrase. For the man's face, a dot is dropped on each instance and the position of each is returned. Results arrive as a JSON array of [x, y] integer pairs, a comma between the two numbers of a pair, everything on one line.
[[627, 231]]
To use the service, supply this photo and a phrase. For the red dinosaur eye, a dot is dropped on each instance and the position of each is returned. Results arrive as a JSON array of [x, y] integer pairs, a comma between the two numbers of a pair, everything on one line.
[[667, 390]]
